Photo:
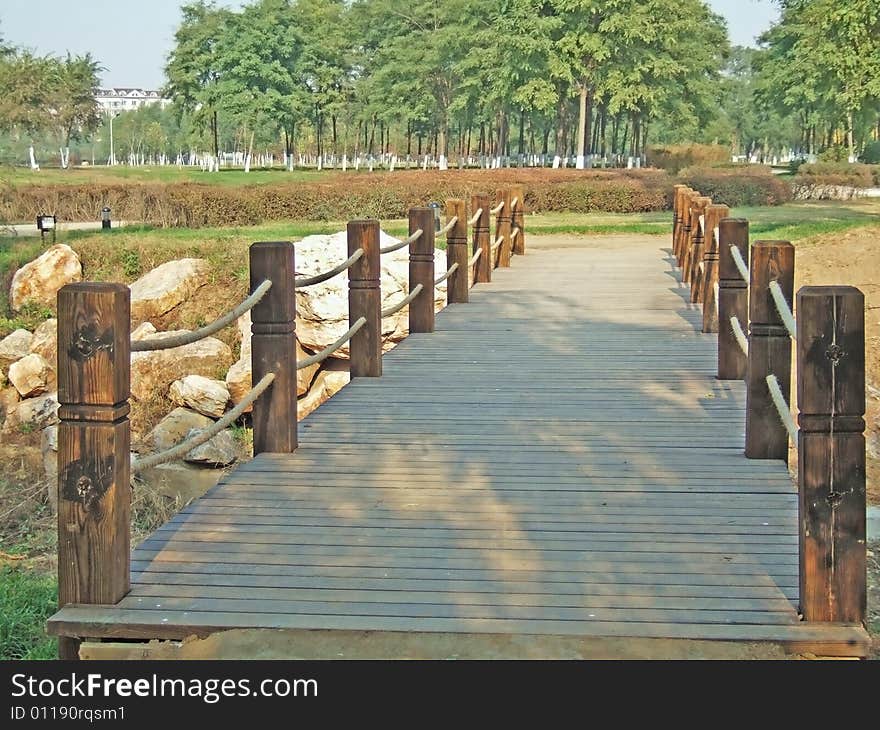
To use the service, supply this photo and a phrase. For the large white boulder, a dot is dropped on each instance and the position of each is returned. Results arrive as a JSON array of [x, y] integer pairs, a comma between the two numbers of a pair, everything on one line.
[[221, 450], [162, 289], [327, 384], [322, 309], [15, 346], [238, 378], [204, 395], [39, 281], [173, 429], [45, 341], [31, 375], [33, 414], [153, 371]]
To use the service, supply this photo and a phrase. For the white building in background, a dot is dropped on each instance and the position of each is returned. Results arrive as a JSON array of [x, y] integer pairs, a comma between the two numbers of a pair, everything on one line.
[[127, 99]]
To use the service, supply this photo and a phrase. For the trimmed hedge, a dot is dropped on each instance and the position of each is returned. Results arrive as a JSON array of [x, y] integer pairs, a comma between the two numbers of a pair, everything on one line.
[[840, 174], [674, 158], [742, 186], [336, 196]]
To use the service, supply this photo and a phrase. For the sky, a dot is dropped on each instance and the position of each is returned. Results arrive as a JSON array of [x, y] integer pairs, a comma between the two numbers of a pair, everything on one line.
[[132, 38]]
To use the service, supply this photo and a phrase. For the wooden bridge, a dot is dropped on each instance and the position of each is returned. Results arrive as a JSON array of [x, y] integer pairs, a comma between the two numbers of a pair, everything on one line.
[[552, 468]]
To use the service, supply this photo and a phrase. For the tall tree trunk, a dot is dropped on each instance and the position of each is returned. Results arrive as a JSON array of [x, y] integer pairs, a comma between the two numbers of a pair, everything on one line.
[[408, 138], [850, 136], [372, 136], [335, 138], [602, 125], [216, 131], [522, 131], [583, 113], [560, 128]]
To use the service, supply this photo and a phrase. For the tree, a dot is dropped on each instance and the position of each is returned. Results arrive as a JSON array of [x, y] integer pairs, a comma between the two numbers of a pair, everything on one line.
[[74, 110]]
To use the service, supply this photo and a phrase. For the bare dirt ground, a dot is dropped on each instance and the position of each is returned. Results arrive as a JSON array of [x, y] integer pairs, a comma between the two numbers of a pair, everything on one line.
[[853, 257]]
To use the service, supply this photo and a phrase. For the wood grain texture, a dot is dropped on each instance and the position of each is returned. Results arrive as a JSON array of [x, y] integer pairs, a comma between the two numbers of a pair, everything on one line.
[[831, 452], [421, 270], [94, 438], [518, 220], [483, 267], [714, 215], [733, 298], [273, 350], [769, 349], [503, 223], [597, 487], [365, 299], [458, 284]]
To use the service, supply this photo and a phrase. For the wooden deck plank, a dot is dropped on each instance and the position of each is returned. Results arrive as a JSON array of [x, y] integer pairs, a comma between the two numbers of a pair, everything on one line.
[[556, 459]]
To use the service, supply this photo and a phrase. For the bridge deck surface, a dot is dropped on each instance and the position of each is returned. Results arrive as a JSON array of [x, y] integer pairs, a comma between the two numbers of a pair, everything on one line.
[[557, 459]]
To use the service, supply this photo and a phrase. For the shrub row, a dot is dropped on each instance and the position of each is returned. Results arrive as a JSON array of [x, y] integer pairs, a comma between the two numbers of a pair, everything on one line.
[[674, 158], [740, 186], [334, 197], [840, 174]]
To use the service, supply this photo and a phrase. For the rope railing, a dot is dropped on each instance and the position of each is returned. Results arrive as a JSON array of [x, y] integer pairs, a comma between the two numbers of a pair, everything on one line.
[[187, 338], [513, 203], [514, 234], [450, 224], [784, 310], [716, 291], [402, 244], [330, 349], [740, 263], [497, 209], [476, 257], [185, 447], [740, 336], [449, 272], [475, 217], [401, 304], [782, 408], [498, 242], [318, 278]]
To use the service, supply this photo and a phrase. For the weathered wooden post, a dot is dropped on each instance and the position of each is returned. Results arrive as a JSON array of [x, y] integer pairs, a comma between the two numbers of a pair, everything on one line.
[[709, 277], [94, 440], [273, 347], [365, 299], [677, 217], [421, 270], [831, 452], [733, 298], [483, 273], [457, 286], [518, 222], [689, 200], [694, 254], [769, 350], [502, 226]]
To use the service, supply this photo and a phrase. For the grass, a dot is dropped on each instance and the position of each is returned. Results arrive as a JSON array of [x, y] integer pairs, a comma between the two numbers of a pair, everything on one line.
[[27, 599]]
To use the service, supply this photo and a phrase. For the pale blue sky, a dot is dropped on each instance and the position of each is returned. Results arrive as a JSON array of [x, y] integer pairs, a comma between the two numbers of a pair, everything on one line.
[[131, 38]]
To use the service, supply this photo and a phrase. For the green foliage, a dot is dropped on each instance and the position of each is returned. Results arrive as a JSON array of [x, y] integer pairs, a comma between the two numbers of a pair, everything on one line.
[[839, 173], [27, 599], [871, 153], [742, 186]]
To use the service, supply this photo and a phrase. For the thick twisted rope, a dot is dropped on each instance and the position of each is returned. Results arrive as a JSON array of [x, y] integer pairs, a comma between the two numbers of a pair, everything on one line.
[[406, 300], [498, 242], [784, 311], [187, 338], [715, 291], [449, 272], [476, 257], [185, 447], [402, 244], [475, 217], [740, 336], [740, 263], [330, 349], [497, 209], [318, 278], [449, 226], [513, 204], [782, 408]]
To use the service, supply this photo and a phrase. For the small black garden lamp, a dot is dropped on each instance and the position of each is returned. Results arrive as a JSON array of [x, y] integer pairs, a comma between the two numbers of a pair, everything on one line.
[[46, 223], [105, 218], [436, 208]]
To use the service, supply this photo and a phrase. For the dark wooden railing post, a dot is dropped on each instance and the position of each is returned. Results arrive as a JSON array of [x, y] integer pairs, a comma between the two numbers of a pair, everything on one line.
[[769, 350], [483, 272], [502, 226], [94, 440], [273, 347], [831, 452], [421, 270], [457, 286], [518, 222], [694, 254], [709, 278], [365, 299], [733, 298], [678, 197], [689, 200]]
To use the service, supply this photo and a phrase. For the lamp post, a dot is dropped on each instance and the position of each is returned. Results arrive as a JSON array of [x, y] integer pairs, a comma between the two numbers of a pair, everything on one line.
[[46, 223], [105, 218], [435, 207]]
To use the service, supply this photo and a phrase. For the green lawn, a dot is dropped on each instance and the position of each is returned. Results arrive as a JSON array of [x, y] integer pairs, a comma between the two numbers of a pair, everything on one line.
[[27, 599]]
